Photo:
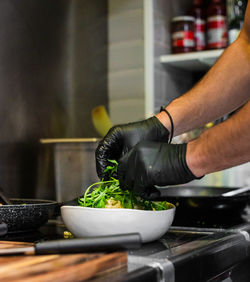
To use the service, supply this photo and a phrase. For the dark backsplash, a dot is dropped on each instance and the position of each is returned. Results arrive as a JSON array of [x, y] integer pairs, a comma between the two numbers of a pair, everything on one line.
[[53, 71]]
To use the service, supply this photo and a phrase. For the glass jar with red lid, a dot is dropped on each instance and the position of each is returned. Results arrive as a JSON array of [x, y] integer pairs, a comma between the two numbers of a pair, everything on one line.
[[182, 34], [217, 36], [198, 12]]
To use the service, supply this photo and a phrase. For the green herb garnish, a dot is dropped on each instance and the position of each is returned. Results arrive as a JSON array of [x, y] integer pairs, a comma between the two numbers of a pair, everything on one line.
[[108, 194]]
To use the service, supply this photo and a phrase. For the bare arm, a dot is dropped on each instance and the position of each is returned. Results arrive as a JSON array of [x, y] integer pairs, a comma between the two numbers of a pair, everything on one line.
[[223, 89], [223, 146]]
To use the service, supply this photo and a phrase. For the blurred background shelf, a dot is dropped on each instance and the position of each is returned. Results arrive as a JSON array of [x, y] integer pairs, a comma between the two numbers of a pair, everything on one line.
[[195, 61]]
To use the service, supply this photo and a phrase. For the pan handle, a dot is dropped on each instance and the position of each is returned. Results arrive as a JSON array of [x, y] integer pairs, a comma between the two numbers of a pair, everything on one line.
[[236, 192], [3, 229]]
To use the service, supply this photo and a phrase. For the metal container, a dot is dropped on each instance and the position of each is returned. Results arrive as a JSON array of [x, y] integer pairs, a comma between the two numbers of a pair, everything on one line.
[[73, 165]]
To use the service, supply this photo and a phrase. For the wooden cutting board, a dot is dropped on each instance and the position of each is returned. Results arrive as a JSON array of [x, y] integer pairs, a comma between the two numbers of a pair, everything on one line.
[[78, 267]]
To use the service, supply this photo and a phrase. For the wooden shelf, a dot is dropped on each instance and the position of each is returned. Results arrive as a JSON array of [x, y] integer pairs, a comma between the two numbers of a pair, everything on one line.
[[195, 61]]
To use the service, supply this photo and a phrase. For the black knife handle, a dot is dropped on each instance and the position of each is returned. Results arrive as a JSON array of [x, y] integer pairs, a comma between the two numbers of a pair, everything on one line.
[[90, 245]]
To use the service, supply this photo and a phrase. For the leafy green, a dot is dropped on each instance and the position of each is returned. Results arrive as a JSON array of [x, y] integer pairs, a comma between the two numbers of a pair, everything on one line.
[[105, 193]]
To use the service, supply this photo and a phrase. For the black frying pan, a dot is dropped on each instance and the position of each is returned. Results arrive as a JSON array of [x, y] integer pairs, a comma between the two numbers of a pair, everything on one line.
[[26, 214], [204, 199], [22, 215]]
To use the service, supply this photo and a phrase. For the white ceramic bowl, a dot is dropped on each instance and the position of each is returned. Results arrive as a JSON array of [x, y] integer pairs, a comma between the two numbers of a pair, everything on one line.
[[87, 222]]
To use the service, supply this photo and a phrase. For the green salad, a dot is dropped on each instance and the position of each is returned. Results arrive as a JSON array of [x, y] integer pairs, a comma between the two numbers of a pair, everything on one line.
[[108, 194]]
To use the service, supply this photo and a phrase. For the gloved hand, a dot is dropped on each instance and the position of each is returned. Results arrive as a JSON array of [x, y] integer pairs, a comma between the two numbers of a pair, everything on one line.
[[121, 138], [153, 163]]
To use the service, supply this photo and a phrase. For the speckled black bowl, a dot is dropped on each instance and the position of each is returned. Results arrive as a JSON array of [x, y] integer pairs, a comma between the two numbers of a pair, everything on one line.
[[27, 214]]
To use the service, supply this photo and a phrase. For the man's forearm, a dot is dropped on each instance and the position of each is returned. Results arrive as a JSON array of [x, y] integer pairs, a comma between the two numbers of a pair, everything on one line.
[[223, 89], [223, 146]]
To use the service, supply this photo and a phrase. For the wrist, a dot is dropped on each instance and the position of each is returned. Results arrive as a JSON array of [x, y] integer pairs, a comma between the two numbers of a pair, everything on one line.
[[164, 119], [194, 159]]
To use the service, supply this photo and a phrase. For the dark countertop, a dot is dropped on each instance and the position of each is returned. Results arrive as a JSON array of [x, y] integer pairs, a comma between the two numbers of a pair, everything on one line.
[[201, 258], [182, 254]]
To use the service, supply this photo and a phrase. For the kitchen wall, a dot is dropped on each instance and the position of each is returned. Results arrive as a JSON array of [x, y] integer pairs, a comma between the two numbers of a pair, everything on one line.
[[169, 83], [53, 71], [126, 60], [139, 33]]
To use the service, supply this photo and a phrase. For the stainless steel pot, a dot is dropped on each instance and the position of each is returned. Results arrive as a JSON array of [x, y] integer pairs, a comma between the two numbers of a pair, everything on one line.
[[67, 166]]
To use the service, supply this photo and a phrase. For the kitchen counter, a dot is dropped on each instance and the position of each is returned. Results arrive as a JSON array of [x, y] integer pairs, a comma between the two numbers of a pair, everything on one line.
[[182, 254], [210, 256]]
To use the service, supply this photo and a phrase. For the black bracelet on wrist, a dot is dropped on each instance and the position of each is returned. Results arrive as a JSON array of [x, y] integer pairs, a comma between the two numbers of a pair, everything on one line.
[[171, 122]]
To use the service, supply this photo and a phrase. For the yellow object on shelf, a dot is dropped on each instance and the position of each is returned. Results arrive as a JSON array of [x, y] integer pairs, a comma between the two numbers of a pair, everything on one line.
[[101, 120]]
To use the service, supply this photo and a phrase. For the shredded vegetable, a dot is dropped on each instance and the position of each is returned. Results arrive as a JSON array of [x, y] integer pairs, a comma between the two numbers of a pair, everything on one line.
[[108, 194]]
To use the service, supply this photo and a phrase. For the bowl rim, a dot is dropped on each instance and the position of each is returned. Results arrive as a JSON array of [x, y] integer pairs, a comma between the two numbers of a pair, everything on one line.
[[119, 209]]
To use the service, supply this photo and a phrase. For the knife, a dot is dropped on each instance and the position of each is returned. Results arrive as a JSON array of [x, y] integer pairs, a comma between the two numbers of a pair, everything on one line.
[[72, 246]]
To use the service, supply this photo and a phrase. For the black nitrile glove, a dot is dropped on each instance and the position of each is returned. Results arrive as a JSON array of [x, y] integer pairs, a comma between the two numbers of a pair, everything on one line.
[[121, 138], [153, 163]]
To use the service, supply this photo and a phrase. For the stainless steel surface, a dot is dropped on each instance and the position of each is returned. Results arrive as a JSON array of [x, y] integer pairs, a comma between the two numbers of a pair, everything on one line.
[[170, 260], [194, 230], [70, 163], [67, 140], [53, 60], [164, 266]]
